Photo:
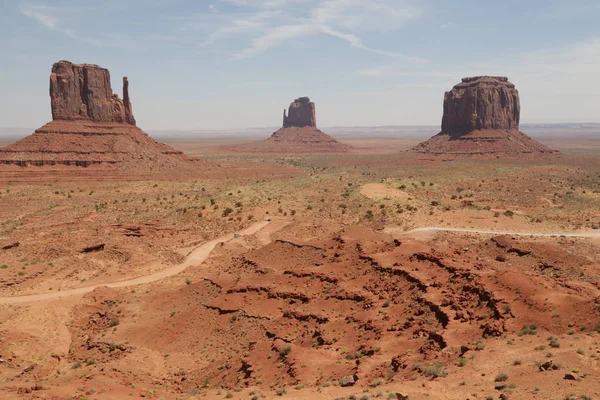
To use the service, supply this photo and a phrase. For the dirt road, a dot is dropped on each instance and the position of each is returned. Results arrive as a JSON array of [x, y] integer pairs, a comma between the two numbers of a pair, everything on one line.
[[398, 230], [197, 256]]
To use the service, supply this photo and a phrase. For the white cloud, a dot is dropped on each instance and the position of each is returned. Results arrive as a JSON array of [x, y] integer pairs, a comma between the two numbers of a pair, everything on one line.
[[275, 37], [554, 83], [236, 25], [42, 14], [60, 17], [250, 27], [49, 17], [271, 23]]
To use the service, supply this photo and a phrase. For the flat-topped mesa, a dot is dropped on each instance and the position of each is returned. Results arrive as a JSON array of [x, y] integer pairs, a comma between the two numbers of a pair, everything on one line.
[[481, 103], [481, 118], [83, 92], [301, 113]]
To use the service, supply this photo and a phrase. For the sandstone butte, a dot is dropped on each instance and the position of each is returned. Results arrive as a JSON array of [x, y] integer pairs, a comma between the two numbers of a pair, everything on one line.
[[481, 117], [92, 126], [300, 134]]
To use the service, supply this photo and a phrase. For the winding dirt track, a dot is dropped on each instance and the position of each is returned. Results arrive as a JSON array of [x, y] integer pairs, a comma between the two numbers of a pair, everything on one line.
[[201, 253], [398, 230], [197, 256]]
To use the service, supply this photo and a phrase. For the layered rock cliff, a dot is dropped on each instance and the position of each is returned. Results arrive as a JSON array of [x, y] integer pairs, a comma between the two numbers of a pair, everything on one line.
[[299, 134], [481, 103], [83, 92], [300, 114], [93, 127], [481, 117]]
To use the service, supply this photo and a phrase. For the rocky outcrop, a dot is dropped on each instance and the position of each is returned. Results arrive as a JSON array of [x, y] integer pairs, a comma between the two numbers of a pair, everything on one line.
[[93, 127], [83, 92], [299, 134], [481, 117], [481, 103], [301, 114]]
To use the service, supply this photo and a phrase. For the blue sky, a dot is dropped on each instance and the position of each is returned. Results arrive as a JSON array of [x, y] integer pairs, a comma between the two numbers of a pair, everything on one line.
[[206, 64]]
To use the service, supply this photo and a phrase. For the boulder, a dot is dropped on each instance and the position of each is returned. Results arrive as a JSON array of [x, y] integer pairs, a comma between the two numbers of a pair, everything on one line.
[[348, 380], [571, 377], [9, 245], [548, 366]]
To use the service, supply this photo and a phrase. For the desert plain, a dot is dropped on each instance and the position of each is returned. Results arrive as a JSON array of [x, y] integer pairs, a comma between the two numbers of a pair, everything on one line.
[[377, 273], [343, 263]]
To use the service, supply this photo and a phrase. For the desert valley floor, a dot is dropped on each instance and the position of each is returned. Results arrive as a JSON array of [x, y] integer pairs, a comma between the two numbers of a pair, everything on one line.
[[378, 273]]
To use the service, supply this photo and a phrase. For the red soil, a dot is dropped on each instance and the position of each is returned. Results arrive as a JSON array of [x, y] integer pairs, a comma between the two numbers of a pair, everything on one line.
[[496, 143], [295, 140], [85, 143]]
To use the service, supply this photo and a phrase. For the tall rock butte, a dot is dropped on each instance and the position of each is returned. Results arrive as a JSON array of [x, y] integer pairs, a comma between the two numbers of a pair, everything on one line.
[[92, 126], [481, 117], [83, 92], [300, 114], [299, 133]]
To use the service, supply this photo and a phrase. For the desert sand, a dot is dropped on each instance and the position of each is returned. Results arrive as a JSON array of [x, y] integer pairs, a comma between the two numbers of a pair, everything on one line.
[[382, 275], [319, 269]]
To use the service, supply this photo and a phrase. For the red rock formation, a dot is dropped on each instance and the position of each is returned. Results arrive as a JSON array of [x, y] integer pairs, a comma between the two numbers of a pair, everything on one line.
[[92, 127], [301, 113], [83, 92], [299, 134], [481, 103], [481, 117]]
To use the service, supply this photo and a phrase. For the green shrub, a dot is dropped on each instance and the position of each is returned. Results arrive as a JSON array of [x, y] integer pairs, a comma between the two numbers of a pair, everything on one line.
[[502, 377], [435, 370], [376, 382], [529, 330], [285, 351]]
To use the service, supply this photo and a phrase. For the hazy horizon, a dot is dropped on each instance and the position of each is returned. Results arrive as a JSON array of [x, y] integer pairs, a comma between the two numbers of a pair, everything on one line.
[[536, 130]]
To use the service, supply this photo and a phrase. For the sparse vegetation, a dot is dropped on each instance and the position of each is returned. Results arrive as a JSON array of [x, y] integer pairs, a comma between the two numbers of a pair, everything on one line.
[[285, 351], [529, 330], [435, 370], [501, 377]]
